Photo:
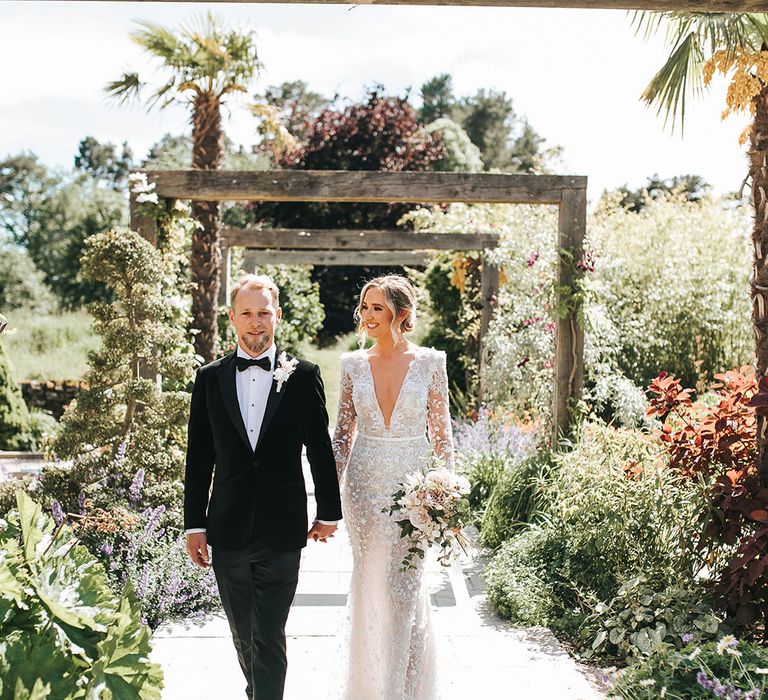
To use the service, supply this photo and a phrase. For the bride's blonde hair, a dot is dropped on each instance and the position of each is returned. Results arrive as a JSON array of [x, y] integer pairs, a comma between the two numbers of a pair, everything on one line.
[[399, 296]]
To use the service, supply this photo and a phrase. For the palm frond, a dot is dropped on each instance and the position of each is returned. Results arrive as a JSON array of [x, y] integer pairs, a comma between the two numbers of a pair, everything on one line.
[[124, 90], [669, 86], [694, 38]]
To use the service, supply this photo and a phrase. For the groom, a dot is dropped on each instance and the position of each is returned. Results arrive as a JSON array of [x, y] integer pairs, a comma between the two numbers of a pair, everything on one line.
[[250, 414]]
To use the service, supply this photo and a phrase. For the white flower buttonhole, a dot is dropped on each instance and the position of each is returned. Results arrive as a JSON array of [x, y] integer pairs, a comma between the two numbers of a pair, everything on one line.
[[284, 369]]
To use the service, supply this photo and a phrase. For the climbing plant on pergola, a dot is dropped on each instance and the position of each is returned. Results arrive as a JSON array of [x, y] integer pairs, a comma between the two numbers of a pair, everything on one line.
[[352, 247]]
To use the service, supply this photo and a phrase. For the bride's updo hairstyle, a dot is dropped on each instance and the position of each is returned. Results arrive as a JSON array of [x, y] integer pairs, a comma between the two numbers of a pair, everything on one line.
[[399, 296]]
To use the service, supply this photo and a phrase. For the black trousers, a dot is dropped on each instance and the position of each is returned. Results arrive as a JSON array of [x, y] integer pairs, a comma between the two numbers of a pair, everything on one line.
[[257, 586]]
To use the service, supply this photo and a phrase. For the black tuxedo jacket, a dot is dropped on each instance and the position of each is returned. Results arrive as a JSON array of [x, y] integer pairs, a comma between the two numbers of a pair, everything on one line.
[[257, 492]]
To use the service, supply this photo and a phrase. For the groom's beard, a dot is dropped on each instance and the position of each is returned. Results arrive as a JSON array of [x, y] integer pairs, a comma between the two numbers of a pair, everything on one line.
[[257, 347]]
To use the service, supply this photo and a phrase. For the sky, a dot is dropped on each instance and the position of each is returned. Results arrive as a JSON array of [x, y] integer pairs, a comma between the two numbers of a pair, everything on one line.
[[576, 75]]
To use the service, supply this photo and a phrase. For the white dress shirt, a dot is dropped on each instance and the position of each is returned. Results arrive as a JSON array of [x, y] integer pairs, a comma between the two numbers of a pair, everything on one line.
[[253, 386]]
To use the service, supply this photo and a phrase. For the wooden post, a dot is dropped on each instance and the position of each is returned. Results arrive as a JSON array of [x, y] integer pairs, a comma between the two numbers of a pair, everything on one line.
[[569, 334], [226, 274], [489, 290], [145, 226]]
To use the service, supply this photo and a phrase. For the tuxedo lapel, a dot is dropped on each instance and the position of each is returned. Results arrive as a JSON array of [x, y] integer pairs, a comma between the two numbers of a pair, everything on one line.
[[273, 401], [228, 387]]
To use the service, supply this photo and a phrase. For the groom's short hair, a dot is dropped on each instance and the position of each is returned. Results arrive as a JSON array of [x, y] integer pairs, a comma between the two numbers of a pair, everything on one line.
[[251, 281]]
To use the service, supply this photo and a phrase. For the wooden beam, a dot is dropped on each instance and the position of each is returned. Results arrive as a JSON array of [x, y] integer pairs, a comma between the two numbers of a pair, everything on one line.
[[340, 239], [569, 333], [653, 5], [345, 186], [489, 292], [371, 258]]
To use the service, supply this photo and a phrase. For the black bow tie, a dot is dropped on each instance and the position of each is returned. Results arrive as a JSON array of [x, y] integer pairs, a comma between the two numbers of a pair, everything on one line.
[[244, 363]]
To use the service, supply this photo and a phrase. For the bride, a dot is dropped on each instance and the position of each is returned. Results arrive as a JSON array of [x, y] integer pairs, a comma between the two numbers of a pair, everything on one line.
[[393, 409]]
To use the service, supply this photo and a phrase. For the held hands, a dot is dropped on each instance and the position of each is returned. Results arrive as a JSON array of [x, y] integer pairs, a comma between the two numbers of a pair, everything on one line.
[[320, 532], [197, 546]]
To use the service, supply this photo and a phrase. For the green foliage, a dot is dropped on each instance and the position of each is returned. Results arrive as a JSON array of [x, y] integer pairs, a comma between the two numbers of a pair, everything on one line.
[[608, 514], [516, 499], [461, 155], [50, 345], [297, 104], [142, 335], [690, 187], [641, 621], [103, 162], [520, 592], [670, 289], [52, 215], [447, 330], [60, 624], [623, 514], [519, 582], [21, 283], [14, 415], [675, 674]]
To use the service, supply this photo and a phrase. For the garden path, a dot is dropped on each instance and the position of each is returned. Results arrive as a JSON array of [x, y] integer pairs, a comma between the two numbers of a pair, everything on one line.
[[481, 655]]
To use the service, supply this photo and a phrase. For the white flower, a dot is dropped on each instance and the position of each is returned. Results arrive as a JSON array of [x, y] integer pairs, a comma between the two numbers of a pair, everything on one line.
[[728, 641], [663, 693], [147, 197], [420, 519], [694, 654], [284, 369], [137, 177], [647, 682], [762, 671]]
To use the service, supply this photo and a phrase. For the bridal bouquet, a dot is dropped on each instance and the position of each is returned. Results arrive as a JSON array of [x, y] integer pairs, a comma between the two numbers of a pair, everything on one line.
[[431, 508]]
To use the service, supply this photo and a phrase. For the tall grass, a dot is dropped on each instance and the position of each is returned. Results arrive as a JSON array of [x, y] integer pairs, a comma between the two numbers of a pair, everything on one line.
[[49, 345]]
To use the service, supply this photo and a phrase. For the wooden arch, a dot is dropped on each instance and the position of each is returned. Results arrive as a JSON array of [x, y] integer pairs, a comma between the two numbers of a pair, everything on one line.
[[568, 193]]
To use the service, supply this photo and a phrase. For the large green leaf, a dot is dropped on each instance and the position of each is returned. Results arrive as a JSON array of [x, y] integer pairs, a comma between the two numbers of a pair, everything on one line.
[[40, 690], [35, 525], [30, 655], [123, 666]]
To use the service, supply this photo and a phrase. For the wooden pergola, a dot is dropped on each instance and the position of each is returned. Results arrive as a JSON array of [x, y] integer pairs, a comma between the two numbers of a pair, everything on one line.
[[354, 247]]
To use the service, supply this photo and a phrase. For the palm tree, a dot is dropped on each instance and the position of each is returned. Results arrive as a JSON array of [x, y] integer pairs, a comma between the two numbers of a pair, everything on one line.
[[204, 63], [735, 44]]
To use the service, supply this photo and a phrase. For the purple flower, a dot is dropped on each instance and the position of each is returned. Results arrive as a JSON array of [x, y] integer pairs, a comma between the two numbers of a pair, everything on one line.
[[106, 549], [687, 637], [57, 513], [134, 491], [120, 455], [141, 588], [532, 258]]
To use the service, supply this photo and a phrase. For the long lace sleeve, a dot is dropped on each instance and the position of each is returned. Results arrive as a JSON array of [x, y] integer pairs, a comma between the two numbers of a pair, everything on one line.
[[439, 414], [346, 423]]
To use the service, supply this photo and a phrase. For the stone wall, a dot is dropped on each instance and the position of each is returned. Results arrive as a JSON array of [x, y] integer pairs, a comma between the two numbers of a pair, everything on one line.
[[51, 396]]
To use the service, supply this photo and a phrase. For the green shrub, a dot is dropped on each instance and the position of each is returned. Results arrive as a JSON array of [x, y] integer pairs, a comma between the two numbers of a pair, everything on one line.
[[21, 282], [14, 415], [126, 420], [639, 621], [61, 627], [716, 669], [623, 514], [516, 498], [517, 578]]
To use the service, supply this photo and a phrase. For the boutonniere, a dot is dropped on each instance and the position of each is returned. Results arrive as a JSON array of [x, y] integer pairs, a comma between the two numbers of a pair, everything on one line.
[[284, 369]]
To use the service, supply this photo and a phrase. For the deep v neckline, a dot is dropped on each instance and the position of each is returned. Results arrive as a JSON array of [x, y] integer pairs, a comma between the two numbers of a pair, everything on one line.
[[388, 426]]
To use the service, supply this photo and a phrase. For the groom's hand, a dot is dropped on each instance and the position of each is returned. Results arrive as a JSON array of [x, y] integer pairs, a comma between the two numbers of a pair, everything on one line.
[[197, 546], [320, 532]]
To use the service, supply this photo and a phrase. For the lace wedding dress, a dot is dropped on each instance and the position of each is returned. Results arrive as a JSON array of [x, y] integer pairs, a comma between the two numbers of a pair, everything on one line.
[[390, 646]]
